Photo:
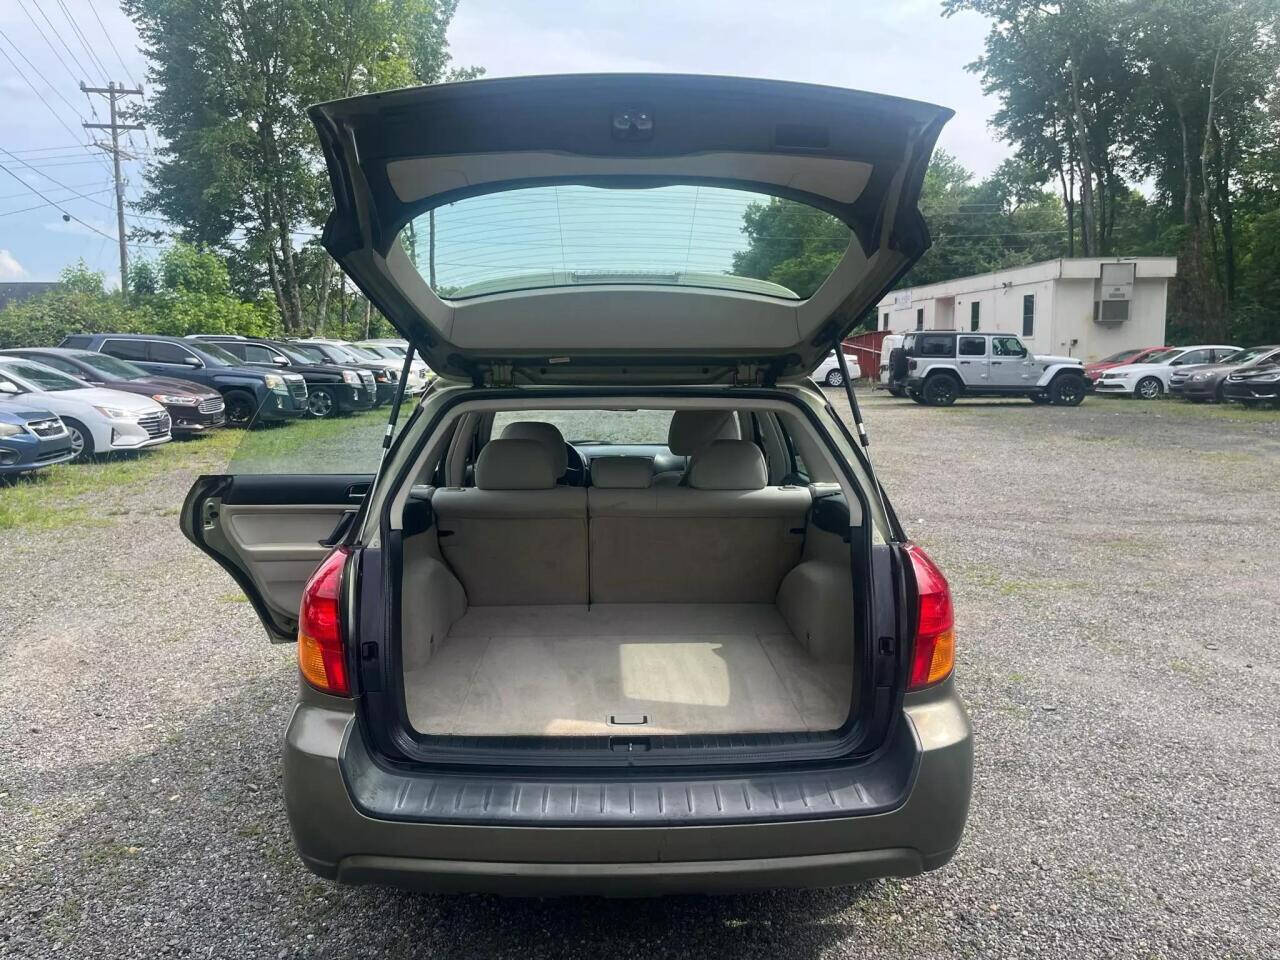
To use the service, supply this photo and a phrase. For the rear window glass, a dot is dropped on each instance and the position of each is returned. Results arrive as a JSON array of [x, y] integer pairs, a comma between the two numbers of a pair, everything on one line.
[[935, 345], [572, 235], [596, 426]]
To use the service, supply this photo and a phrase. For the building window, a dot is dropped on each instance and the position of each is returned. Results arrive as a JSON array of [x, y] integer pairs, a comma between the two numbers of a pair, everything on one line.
[[886, 321], [975, 312], [1029, 315], [920, 318]]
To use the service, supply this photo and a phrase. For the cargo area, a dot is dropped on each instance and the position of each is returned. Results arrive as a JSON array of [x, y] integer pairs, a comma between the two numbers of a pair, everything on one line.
[[613, 668], [706, 602]]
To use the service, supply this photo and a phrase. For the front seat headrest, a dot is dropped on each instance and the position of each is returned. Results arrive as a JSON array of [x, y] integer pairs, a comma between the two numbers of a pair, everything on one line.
[[514, 465], [622, 473], [547, 435], [729, 465], [691, 430]]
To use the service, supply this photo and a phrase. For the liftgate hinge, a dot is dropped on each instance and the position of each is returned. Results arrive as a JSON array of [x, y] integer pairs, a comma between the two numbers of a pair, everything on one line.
[[499, 375], [748, 375]]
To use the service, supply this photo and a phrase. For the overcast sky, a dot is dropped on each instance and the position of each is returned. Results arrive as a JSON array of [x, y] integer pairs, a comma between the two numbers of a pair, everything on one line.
[[902, 47]]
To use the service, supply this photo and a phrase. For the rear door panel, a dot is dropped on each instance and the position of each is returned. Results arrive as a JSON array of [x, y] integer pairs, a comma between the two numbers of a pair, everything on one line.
[[266, 531]]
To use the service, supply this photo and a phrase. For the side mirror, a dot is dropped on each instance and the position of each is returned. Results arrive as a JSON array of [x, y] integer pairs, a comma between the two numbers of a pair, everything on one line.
[[280, 361], [8, 387], [192, 362]]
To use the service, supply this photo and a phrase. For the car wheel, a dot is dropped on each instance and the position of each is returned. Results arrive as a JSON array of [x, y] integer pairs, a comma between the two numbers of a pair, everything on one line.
[[835, 378], [1067, 390], [897, 392], [81, 440], [1148, 388], [1220, 395], [240, 408], [320, 403], [941, 390], [914, 396]]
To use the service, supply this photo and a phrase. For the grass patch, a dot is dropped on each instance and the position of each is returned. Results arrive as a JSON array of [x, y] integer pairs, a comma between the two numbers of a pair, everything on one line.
[[55, 498], [73, 494], [1173, 407]]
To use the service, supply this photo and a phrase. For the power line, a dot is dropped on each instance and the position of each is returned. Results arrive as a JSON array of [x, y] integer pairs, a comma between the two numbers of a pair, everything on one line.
[[10, 196], [82, 196], [28, 82], [52, 203], [124, 65], [48, 203], [66, 46], [84, 41]]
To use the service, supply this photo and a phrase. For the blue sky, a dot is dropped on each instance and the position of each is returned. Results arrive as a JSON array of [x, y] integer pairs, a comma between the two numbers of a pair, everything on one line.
[[902, 48]]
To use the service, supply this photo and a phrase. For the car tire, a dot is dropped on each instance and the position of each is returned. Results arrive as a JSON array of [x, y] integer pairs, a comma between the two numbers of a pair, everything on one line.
[[240, 408], [896, 392], [1067, 390], [1148, 388], [81, 440], [321, 403], [1220, 395], [914, 397], [834, 378], [941, 390]]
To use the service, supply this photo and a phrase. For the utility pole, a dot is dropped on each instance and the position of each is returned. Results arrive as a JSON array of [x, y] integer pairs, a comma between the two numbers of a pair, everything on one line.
[[113, 92]]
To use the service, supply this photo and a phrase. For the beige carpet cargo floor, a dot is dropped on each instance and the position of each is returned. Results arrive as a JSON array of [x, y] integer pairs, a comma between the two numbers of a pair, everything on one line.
[[571, 670]]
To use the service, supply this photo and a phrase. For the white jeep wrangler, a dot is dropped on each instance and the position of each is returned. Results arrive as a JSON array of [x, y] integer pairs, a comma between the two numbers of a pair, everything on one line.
[[939, 366]]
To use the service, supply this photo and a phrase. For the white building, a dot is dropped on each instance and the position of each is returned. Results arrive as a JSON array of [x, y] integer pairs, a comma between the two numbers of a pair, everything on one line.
[[1087, 307]]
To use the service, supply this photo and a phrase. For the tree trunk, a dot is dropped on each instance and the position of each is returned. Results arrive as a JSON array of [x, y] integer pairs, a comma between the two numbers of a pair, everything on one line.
[[1088, 223], [322, 297], [1068, 201], [1188, 204], [1226, 157], [368, 315]]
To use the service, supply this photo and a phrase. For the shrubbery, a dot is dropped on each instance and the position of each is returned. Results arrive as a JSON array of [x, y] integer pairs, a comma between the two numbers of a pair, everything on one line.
[[186, 291]]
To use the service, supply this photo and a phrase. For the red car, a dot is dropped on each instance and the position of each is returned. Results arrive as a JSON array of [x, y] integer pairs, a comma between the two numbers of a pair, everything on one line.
[[1135, 355]]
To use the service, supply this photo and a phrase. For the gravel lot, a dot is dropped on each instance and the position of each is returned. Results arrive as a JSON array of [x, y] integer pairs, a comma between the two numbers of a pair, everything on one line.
[[1118, 606]]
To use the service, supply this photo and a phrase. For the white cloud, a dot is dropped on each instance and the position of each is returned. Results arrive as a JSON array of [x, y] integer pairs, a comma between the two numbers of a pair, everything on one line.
[[10, 268]]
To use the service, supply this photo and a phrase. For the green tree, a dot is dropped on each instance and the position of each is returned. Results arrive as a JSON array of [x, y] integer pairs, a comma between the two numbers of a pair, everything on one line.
[[240, 170]]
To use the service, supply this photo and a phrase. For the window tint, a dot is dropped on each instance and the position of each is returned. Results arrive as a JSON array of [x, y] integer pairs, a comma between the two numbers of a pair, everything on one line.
[[1029, 315], [1007, 347], [975, 314], [125, 349], [256, 353], [973, 346], [936, 345], [161, 352], [61, 363]]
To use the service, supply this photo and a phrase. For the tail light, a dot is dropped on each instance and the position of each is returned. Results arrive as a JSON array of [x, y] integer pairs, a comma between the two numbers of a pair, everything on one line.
[[322, 656], [934, 652]]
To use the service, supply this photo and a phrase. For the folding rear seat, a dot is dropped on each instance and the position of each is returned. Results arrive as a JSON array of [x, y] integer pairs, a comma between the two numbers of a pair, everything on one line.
[[726, 537], [515, 537]]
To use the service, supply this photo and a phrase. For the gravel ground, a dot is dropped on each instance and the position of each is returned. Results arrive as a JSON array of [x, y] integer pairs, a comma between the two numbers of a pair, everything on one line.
[[1115, 576]]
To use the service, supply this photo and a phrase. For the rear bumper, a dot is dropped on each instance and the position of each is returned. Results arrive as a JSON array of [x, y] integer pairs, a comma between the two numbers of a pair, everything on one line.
[[621, 838]]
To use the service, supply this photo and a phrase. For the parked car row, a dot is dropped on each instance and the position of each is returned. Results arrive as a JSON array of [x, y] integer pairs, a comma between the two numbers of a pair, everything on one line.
[[1218, 372], [99, 393]]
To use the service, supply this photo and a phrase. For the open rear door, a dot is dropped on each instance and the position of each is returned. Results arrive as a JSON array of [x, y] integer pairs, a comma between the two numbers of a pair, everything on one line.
[[464, 212]]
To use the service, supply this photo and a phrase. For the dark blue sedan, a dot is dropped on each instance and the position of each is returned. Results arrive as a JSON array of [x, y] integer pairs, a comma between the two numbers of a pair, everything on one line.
[[30, 439]]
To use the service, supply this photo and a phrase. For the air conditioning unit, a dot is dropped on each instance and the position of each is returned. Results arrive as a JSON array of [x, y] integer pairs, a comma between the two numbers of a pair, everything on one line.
[[1115, 292]]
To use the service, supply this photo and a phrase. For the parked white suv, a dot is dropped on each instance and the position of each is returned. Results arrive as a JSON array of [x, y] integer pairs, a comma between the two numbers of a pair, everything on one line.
[[98, 419], [1149, 379], [941, 366]]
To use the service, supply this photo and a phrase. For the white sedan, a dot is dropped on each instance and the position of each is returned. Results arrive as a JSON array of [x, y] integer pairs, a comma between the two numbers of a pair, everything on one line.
[[1149, 379], [99, 420], [828, 370]]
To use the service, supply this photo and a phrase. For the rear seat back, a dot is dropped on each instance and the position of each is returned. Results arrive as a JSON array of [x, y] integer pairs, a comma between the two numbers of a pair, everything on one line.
[[727, 537], [515, 537]]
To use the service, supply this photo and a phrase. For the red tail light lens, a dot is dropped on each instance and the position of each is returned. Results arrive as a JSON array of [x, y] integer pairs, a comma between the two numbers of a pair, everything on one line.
[[322, 656], [934, 653]]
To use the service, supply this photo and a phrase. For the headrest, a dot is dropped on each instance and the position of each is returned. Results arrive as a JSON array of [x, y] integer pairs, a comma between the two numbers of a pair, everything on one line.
[[632, 473], [514, 465], [547, 435], [691, 430], [728, 465]]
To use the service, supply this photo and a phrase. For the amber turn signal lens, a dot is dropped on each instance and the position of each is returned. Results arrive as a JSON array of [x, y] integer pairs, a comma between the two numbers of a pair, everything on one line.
[[322, 655], [933, 655]]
